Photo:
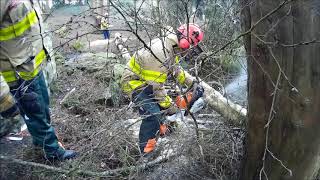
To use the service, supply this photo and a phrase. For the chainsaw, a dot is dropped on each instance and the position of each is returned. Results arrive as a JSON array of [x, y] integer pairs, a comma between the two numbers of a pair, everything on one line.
[[191, 102]]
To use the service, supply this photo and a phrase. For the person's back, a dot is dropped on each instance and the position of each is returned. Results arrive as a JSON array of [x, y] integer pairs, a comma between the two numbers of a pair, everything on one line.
[[161, 56], [159, 59]]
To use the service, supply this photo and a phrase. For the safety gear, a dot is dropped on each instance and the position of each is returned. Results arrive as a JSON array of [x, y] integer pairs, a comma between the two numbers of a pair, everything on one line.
[[181, 100], [10, 114], [189, 100], [24, 51], [104, 24], [33, 100], [188, 35], [143, 80], [152, 116], [163, 129], [25, 45], [11, 125], [68, 154], [144, 69], [150, 146]]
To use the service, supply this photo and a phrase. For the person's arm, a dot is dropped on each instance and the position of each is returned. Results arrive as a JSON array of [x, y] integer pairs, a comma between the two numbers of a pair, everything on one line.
[[163, 99], [11, 120], [8, 107], [7, 102], [183, 77]]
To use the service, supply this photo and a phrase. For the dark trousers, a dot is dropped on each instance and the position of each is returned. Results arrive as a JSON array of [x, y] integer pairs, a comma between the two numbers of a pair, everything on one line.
[[150, 110], [33, 101], [106, 34]]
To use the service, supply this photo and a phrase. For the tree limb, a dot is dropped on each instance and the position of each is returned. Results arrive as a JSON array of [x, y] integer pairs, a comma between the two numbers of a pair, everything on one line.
[[88, 173]]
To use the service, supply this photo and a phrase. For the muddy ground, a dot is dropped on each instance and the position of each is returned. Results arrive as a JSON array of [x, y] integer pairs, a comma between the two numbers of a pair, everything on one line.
[[106, 136]]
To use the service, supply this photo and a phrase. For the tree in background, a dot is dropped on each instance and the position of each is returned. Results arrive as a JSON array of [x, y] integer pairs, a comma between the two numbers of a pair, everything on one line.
[[283, 140]]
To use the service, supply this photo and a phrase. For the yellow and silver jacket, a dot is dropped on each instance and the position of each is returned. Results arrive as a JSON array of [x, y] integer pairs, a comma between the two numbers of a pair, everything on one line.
[[145, 69], [24, 45]]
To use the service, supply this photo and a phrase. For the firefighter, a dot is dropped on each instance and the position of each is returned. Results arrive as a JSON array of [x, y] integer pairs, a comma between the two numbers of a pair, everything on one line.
[[147, 71], [24, 52]]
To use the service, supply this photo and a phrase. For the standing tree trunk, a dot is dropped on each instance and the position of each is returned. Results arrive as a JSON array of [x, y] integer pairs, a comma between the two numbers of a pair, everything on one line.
[[283, 140]]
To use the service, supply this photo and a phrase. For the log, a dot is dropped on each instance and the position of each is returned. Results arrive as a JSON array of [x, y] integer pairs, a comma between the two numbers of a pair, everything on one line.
[[232, 112], [97, 45]]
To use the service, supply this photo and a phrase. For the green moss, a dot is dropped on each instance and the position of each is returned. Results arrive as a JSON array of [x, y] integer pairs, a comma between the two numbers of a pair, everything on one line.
[[78, 46], [229, 63], [59, 58]]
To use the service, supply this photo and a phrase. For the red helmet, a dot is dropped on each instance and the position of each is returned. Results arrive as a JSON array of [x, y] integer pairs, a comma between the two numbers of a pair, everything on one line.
[[194, 36]]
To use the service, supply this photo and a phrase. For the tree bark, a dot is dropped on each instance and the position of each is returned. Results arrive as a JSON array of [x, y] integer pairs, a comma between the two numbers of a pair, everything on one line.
[[283, 140]]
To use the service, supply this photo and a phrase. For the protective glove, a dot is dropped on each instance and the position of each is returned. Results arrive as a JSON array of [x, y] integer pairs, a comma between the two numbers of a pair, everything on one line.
[[11, 125]]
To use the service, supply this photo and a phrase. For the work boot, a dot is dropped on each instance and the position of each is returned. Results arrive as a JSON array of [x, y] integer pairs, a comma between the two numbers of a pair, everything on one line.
[[11, 125], [68, 154], [147, 157]]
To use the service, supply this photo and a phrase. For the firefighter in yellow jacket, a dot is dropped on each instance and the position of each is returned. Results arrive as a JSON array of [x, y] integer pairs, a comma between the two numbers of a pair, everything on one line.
[[24, 52], [147, 71]]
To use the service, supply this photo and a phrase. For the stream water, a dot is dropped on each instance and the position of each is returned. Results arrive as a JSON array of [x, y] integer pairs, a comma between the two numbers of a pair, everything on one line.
[[236, 90]]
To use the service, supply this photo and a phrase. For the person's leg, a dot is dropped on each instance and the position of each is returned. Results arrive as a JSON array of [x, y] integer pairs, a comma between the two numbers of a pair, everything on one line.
[[150, 110], [33, 99], [104, 34], [107, 34]]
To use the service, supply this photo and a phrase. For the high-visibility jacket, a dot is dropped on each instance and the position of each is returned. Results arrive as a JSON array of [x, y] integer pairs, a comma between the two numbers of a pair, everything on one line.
[[104, 24], [144, 69], [24, 45]]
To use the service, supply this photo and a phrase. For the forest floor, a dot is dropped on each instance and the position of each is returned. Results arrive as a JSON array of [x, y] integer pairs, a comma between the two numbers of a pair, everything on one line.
[[106, 136]]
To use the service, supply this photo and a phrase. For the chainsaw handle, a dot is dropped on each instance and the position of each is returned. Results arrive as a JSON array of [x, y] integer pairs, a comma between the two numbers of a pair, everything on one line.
[[194, 97], [196, 93]]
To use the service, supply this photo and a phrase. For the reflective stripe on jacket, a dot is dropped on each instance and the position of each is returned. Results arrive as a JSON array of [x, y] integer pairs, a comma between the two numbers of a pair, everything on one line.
[[145, 69], [11, 76], [17, 29], [24, 44]]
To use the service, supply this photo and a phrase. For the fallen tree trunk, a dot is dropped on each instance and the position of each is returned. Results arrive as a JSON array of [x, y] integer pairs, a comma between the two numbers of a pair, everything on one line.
[[228, 109], [97, 45], [233, 112]]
